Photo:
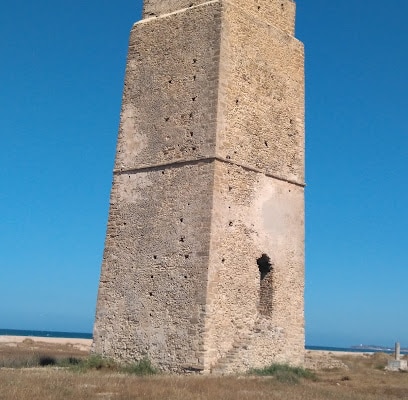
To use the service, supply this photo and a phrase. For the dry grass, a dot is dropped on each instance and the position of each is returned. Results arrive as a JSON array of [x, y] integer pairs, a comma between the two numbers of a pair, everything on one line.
[[363, 380]]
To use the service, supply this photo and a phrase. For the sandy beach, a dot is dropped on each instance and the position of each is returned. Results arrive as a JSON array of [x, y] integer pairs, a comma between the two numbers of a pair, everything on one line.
[[314, 359], [80, 344]]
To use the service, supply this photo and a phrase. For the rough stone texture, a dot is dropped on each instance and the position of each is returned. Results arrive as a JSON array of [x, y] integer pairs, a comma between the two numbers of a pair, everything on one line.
[[203, 267], [279, 13]]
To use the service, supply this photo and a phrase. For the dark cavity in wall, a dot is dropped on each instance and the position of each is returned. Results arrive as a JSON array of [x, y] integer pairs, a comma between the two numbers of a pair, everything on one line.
[[265, 290]]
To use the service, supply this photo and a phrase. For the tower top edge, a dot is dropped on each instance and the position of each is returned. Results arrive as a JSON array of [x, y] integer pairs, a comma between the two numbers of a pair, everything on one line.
[[280, 13]]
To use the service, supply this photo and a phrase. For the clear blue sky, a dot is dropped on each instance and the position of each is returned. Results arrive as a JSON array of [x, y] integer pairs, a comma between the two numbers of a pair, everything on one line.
[[62, 69]]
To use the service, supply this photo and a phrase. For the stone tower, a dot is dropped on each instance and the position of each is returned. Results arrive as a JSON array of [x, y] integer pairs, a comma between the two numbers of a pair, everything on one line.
[[203, 267]]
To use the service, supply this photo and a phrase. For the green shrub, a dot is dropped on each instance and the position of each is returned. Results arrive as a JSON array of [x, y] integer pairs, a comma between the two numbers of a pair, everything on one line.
[[142, 367], [93, 362], [284, 373]]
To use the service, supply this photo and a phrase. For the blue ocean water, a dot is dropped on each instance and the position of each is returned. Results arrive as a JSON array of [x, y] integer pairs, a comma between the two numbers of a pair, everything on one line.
[[70, 335]]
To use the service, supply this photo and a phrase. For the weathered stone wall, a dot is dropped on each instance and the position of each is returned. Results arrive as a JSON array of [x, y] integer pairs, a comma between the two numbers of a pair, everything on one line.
[[170, 94], [153, 283], [261, 107], [152, 292], [280, 14], [254, 215], [208, 187]]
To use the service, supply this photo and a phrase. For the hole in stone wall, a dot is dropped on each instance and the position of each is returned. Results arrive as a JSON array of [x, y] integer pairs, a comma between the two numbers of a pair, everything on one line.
[[186, 256], [191, 134], [185, 276], [264, 265], [231, 223], [265, 290], [170, 80], [223, 260], [155, 257], [266, 143], [259, 7], [181, 219], [182, 239], [194, 148], [150, 293], [162, 172], [236, 101], [191, 115], [194, 61], [194, 77], [194, 98], [229, 188], [167, 119], [282, 6]]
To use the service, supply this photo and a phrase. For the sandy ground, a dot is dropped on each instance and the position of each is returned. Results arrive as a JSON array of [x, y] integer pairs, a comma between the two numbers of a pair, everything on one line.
[[322, 359], [81, 344], [314, 359]]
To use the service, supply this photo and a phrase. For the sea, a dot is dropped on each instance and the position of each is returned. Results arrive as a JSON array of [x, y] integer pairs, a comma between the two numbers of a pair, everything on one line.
[[86, 335], [52, 334]]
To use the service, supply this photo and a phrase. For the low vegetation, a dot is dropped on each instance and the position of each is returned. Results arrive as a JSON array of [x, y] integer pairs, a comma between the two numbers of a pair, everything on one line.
[[285, 373], [38, 371]]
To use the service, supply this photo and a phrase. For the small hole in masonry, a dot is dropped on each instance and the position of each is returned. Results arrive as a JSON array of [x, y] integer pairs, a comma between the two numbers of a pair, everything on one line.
[[186, 256], [155, 257], [191, 115], [194, 98], [264, 265], [194, 77], [194, 148], [151, 314], [151, 276], [150, 293], [194, 60], [170, 81], [185, 276], [229, 188], [182, 219], [182, 239], [266, 143], [223, 260], [236, 101], [167, 119], [191, 134], [231, 223]]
